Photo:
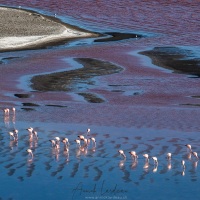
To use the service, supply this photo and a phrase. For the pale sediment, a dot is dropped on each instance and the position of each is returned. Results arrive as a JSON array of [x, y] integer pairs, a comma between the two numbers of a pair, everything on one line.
[[22, 29]]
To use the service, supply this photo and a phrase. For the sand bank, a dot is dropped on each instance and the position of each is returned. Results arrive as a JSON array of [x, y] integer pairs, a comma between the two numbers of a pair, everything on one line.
[[22, 29], [179, 60]]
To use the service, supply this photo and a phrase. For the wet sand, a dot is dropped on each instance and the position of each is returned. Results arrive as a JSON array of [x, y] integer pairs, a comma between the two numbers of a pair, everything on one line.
[[69, 80], [139, 101], [175, 58], [25, 29]]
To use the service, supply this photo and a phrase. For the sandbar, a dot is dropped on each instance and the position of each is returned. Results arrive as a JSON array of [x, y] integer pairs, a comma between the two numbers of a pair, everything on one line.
[[25, 29]]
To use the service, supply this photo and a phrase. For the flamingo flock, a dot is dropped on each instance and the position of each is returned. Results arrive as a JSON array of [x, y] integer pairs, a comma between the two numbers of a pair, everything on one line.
[[84, 141], [134, 157]]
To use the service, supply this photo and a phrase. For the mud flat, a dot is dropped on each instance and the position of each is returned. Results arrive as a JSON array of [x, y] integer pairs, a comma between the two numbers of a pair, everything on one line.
[[174, 58]]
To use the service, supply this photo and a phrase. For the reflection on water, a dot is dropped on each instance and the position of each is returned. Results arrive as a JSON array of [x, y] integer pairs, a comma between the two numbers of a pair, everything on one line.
[[63, 161]]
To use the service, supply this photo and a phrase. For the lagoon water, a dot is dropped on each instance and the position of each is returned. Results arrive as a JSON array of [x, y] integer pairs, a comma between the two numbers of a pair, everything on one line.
[[112, 88]]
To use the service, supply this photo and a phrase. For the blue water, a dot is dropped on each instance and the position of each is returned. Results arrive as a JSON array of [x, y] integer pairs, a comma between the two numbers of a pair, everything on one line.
[[101, 173], [98, 172]]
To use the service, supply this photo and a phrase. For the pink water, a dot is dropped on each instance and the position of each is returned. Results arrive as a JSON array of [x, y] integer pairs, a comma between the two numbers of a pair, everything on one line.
[[162, 117], [177, 20]]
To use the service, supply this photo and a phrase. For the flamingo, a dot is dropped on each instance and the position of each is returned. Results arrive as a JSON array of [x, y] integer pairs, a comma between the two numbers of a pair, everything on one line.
[[78, 142], [121, 152], [13, 109], [93, 140], [6, 111], [169, 156], [146, 157], [12, 135], [30, 130], [53, 143], [155, 160], [183, 164], [189, 147], [81, 137], [133, 154], [30, 152], [57, 140], [65, 141], [88, 131], [15, 131]]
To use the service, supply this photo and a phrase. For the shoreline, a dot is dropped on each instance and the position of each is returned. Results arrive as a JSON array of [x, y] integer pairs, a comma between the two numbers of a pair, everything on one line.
[[23, 29]]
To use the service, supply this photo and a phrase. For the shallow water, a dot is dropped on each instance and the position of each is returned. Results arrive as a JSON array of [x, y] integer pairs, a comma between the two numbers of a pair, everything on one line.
[[143, 107], [96, 172]]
